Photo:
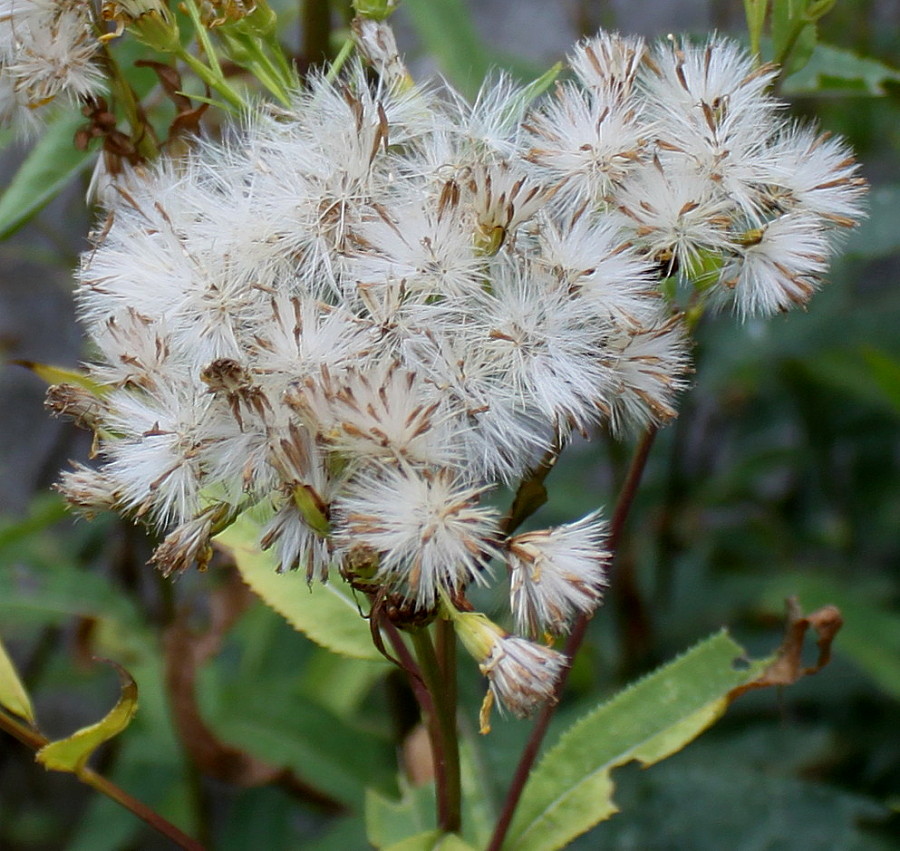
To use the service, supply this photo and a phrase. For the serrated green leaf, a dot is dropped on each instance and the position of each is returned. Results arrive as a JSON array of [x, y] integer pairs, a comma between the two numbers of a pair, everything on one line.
[[73, 752], [326, 613], [50, 166], [835, 69], [571, 788], [13, 696]]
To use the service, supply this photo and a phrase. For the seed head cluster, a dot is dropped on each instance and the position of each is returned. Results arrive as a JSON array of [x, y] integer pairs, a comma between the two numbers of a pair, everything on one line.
[[362, 313], [47, 48]]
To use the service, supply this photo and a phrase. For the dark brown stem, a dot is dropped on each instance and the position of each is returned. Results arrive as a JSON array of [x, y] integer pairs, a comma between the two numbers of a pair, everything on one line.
[[445, 645], [533, 746], [36, 741]]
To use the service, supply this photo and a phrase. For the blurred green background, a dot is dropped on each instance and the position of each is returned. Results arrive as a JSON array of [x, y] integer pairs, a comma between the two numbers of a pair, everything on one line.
[[780, 477]]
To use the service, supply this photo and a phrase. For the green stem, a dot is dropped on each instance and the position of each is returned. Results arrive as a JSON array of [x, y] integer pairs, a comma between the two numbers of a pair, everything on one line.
[[203, 37], [233, 99], [443, 695], [274, 73], [340, 59], [212, 74], [36, 741]]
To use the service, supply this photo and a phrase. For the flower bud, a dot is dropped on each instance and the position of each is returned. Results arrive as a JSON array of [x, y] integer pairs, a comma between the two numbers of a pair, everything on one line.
[[148, 20], [377, 10]]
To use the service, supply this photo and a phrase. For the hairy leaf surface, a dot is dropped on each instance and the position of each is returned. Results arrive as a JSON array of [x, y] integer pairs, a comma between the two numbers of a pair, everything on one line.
[[326, 613]]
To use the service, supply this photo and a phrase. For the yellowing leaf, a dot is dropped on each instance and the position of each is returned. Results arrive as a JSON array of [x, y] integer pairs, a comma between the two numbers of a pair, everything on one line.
[[73, 752], [13, 696], [571, 789], [62, 375], [326, 613]]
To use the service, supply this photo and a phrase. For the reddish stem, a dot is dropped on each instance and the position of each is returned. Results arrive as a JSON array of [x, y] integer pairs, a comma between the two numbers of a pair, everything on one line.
[[573, 644], [36, 741]]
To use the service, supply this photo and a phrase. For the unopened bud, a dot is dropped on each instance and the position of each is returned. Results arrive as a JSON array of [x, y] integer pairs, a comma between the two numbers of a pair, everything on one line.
[[376, 10], [150, 21]]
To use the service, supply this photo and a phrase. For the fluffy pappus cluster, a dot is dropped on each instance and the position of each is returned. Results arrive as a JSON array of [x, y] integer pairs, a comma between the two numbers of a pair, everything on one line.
[[686, 149], [361, 314], [47, 48]]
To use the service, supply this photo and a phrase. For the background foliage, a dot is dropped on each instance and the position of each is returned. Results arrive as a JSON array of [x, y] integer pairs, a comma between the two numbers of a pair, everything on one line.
[[779, 477]]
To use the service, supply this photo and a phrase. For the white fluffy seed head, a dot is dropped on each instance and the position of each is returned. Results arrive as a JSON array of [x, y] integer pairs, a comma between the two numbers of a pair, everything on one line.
[[427, 529], [556, 574], [366, 309]]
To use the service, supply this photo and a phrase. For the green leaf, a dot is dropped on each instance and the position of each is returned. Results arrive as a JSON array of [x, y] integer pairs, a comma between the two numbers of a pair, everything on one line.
[[711, 806], [537, 87], [432, 840], [73, 752], [785, 24], [755, 13], [448, 34], [868, 375], [52, 164], [62, 375], [878, 235], [885, 372], [478, 813], [571, 788], [326, 613], [60, 590], [339, 684], [13, 696], [44, 511], [408, 823], [334, 755], [159, 781], [260, 818], [344, 833], [389, 822], [835, 69]]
